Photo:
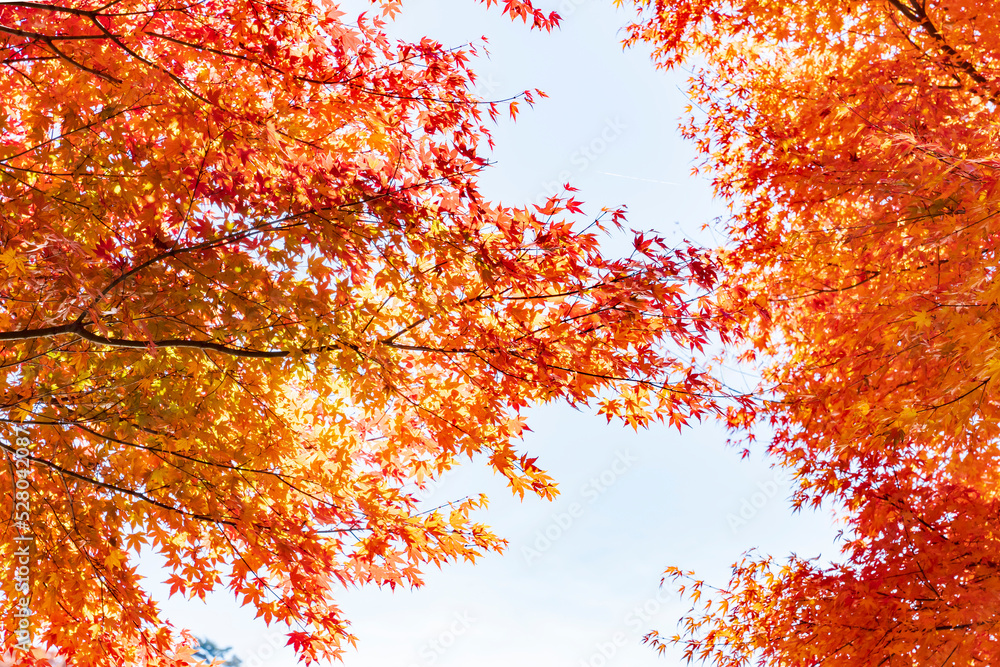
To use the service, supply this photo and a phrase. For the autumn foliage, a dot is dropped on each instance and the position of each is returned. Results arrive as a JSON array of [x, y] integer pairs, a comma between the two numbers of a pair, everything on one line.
[[857, 144], [251, 300]]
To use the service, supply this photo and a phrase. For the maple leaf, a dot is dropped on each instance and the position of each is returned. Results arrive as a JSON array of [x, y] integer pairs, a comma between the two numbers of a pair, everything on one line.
[[301, 306], [865, 205]]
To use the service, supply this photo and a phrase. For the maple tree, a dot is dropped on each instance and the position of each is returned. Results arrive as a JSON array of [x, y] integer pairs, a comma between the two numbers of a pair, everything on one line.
[[251, 300], [856, 142]]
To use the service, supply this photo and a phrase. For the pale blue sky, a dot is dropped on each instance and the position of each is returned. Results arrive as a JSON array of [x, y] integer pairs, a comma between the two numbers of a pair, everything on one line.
[[582, 572]]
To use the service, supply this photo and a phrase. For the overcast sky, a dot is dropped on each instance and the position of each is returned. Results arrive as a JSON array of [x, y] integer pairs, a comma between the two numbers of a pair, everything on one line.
[[579, 583]]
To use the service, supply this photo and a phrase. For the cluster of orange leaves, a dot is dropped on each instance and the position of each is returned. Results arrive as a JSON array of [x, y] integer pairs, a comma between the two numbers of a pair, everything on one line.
[[856, 141], [251, 300]]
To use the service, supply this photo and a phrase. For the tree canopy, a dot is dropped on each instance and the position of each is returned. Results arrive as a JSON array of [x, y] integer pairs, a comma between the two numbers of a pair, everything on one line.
[[251, 299], [857, 144]]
